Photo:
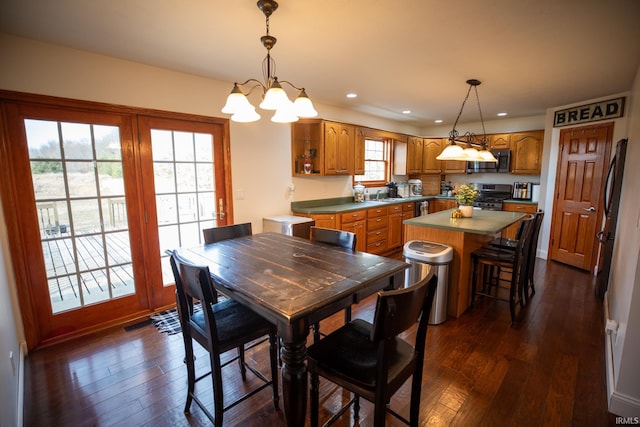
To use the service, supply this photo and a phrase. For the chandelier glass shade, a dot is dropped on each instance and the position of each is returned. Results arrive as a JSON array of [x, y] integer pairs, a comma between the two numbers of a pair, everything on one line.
[[470, 149], [274, 97]]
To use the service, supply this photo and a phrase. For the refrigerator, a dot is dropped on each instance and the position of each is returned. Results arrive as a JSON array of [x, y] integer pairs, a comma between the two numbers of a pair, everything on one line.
[[612, 190]]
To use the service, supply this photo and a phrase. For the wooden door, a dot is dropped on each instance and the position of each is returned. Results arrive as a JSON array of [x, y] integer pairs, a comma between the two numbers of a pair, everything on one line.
[[186, 188], [579, 190], [71, 209]]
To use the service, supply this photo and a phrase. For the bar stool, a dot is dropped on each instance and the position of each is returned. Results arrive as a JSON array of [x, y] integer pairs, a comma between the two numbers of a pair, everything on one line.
[[510, 244]]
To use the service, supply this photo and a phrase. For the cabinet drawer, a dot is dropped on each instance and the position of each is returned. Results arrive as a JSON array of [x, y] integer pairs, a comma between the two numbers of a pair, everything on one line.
[[395, 209], [353, 216], [408, 207], [376, 212], [376, 223], [377, 247], [519, 207], [376, 235]]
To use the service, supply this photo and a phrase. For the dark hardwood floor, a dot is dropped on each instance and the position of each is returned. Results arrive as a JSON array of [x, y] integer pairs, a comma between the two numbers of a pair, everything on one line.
[[479, 370]]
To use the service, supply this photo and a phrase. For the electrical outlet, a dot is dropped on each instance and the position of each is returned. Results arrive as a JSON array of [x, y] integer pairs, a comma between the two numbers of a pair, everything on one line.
[[13, 363]]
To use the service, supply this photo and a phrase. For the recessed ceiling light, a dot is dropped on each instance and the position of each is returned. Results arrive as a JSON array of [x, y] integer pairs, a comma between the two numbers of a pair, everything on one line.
[[438, 121], [352, 95], [502, 114], [406, 111]]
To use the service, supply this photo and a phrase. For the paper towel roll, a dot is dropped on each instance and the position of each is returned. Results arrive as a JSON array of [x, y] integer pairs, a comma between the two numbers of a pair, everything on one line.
[[535, 192]]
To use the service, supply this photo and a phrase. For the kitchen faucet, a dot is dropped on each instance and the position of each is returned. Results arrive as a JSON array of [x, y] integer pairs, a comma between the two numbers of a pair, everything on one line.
[[378, 194]]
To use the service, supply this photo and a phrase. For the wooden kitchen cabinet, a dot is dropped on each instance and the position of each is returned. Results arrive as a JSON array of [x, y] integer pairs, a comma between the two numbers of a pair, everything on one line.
[[324, 220], [358, 159], [307, 143], [431, 148], [500, 141], [526, 152], [377, 230], [510, 232], [356, 222], [414, 155], [339, 147], [394, 235], [330, 147], [442, 204]]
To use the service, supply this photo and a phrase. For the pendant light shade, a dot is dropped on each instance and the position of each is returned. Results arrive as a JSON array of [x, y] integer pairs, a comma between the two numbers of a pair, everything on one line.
[[303, 106], [451, 152]]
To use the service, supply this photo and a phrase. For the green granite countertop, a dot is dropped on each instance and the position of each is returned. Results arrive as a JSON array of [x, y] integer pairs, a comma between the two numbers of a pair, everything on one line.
[[524, 202], [346, 204], [482, 222]]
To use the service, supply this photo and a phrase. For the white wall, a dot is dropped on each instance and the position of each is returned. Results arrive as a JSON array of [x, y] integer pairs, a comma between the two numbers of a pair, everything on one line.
[[11, 340], [624, 289]]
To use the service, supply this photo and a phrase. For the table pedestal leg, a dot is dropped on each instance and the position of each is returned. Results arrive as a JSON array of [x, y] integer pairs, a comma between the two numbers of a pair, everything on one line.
[[294, 382]]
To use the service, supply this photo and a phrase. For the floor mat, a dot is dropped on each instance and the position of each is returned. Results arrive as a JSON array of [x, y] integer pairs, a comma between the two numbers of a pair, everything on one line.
[[168, 321]]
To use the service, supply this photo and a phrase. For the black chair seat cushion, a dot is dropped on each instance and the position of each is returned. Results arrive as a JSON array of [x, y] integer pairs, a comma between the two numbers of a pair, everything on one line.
[[493, 254], [349, 353], [234, 322]]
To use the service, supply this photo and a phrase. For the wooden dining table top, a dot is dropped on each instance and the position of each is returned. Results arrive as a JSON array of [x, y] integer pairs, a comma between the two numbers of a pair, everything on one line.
[[287, 278]]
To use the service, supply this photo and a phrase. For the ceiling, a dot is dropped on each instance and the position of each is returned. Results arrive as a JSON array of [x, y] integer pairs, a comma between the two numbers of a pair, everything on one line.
[[405, 54]]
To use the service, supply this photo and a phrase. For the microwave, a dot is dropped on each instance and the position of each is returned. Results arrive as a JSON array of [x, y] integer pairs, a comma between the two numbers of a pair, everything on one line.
[[502, 166]]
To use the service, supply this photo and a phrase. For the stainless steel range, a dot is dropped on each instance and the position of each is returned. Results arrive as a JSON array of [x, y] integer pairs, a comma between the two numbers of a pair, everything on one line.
[[492, 195]]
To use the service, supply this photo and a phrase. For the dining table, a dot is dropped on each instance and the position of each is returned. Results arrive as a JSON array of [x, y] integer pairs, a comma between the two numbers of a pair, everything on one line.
[[294, 283]]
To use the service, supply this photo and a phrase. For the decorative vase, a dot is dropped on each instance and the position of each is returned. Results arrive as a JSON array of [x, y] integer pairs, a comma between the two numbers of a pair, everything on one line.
[[466, 211]]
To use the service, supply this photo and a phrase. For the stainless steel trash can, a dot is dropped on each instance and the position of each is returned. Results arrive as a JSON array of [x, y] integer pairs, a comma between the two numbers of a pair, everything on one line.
[[420, 254]]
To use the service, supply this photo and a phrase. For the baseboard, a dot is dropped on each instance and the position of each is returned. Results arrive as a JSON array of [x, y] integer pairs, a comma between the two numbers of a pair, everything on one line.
[[618, 403], [20, 403]]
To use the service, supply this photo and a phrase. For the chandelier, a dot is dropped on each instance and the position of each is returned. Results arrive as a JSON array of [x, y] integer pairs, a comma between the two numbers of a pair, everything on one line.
[[469, 141], [273, 95]]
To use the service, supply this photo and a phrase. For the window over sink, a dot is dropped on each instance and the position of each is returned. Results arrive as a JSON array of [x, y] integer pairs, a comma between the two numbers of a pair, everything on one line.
[[376, 162]]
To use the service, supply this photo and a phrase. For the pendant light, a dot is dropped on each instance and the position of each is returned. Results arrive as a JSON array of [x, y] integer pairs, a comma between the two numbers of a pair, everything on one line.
[[274, 96], [470, 152]]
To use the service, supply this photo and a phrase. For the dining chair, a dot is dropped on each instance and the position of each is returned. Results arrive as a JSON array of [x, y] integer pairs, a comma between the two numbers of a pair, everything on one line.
[[219, 327], [510, 261], [371, 360], [343, 239], [224, 232]]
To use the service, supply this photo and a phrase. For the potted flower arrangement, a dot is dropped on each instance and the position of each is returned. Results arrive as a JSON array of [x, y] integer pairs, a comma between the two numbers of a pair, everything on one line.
[[466, 195]]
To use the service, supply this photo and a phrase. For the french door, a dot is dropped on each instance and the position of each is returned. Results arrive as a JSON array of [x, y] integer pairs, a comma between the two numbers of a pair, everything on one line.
[[94, 199], [184, 191]]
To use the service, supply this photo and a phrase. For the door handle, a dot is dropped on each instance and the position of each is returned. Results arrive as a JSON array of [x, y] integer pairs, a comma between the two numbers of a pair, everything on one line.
[[591, 209], [220, 209]]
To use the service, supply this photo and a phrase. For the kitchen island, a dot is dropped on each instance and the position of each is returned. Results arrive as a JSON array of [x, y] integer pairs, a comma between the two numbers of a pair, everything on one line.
[[465, 235]]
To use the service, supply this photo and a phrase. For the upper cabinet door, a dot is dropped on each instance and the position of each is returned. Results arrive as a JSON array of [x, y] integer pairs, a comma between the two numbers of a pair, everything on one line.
[[339, 143], [526, 150], [431, 149], [359, 152], [500, 141], [414, 155]]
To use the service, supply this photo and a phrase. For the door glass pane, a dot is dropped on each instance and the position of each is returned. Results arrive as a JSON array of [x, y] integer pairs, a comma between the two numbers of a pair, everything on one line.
[[76, 170], [185, 190]]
